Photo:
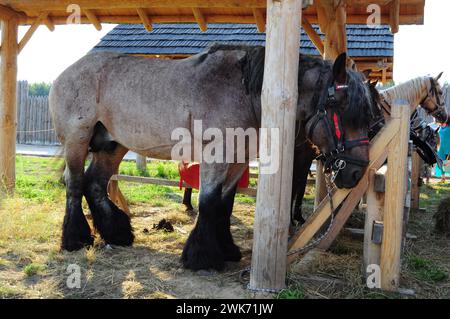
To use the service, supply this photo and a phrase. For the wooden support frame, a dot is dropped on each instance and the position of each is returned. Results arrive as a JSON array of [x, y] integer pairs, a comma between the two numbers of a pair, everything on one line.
[[27, 36], [259, 19], [415, 176], [200, 18], [8, 92], [323, 212], [93, 18], [396, 179], [279, 100], [146, 21], [394, 15], [48, 21], [313, 36]]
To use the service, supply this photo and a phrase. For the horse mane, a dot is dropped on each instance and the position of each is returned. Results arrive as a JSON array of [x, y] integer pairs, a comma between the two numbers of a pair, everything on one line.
[[411, 91], [357, 115]]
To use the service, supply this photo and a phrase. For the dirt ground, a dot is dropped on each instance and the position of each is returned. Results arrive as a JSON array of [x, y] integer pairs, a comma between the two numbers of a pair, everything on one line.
[[32, 265]]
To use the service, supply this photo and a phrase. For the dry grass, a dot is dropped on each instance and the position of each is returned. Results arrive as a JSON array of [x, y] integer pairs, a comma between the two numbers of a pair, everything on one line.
[[32, 266]]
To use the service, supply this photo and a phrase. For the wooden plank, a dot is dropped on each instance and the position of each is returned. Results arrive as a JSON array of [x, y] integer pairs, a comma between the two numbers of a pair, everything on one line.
[[278, 105], [395, 200], [93, 18], [141, 163], [415, 177], [145, 19], [200, 19], [165, 182], [8, 104], [323, 212], [374, 213]]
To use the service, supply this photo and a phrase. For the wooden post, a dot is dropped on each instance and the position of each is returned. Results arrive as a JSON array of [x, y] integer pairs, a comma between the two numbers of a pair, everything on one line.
[[141, 163], [374, 213], [8, 92], [279, 101], [415, 177], [396, 178]]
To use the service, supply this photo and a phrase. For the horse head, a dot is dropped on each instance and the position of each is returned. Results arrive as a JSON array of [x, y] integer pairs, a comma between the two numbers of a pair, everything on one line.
[[339, 123], [434, 101]]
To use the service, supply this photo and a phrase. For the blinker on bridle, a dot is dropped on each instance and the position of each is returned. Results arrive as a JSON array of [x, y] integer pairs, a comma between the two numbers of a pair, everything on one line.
[[335, 160]]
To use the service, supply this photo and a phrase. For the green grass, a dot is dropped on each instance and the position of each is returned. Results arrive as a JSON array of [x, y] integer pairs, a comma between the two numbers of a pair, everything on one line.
[[33, 269], [426, 270], [294, 293]]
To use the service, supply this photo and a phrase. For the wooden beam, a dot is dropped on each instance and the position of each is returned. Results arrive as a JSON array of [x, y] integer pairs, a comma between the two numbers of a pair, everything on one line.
[[61, 5], [93, 18], [145, 19], [200, 19], [6, 13], [49, 23], [323, 212], [313, 36], [213, 18], [394, 15], [278, 106], [8, 92], [259, 19], [23, 42], [395, 200]]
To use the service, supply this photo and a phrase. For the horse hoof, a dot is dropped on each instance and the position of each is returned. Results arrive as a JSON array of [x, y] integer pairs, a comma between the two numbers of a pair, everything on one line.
[[232, 253], [74, 243], [202, 255], [117, 230]]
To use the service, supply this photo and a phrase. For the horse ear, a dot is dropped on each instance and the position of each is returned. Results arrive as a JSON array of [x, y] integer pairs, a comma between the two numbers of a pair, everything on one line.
[[439, 76], [340, 70], [366, 73]]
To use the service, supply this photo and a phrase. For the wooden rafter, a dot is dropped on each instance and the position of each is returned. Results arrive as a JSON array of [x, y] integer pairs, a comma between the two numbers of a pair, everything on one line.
[[200, 19], [93, 19], [6, 13], [260, 20], [312, 34], [31, 30], [145, 19], [394, 15], [49, 23]]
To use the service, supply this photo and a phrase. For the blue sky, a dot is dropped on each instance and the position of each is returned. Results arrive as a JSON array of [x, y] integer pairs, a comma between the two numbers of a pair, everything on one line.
[[419, 50]]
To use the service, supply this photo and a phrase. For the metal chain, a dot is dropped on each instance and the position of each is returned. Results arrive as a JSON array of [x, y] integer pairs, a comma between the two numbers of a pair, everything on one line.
[[329, 179]]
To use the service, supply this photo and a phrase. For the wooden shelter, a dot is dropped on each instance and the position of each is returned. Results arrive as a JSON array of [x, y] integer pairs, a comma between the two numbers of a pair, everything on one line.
[[370, 48], [281, 19]]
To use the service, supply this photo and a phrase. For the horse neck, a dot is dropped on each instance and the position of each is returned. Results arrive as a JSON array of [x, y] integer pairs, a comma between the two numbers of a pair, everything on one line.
[[413, 91]]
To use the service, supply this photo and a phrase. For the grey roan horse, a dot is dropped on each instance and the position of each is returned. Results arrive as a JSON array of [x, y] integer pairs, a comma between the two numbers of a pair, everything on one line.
[[110, 103]]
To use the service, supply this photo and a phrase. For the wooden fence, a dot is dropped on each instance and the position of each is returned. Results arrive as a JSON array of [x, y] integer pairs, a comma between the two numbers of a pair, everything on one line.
[[34, 124]]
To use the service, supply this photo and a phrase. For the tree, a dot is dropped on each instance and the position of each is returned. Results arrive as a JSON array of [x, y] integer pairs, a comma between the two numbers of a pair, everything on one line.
[[39, 89]]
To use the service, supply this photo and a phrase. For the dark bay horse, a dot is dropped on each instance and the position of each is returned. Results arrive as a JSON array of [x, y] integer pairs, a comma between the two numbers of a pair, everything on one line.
[[110, 103]]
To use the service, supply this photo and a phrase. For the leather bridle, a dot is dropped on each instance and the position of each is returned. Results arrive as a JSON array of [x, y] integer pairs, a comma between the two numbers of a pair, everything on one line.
[[335, 160]]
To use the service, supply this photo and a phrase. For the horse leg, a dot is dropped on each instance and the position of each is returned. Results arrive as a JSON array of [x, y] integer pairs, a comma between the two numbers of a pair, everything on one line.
[[111, 222], [187, 200], [230, 250], [76, 232], [303, 159], [202, 249]]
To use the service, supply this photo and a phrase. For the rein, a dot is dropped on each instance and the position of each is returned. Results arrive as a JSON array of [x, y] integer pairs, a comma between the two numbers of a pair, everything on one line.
[[335, 160]]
